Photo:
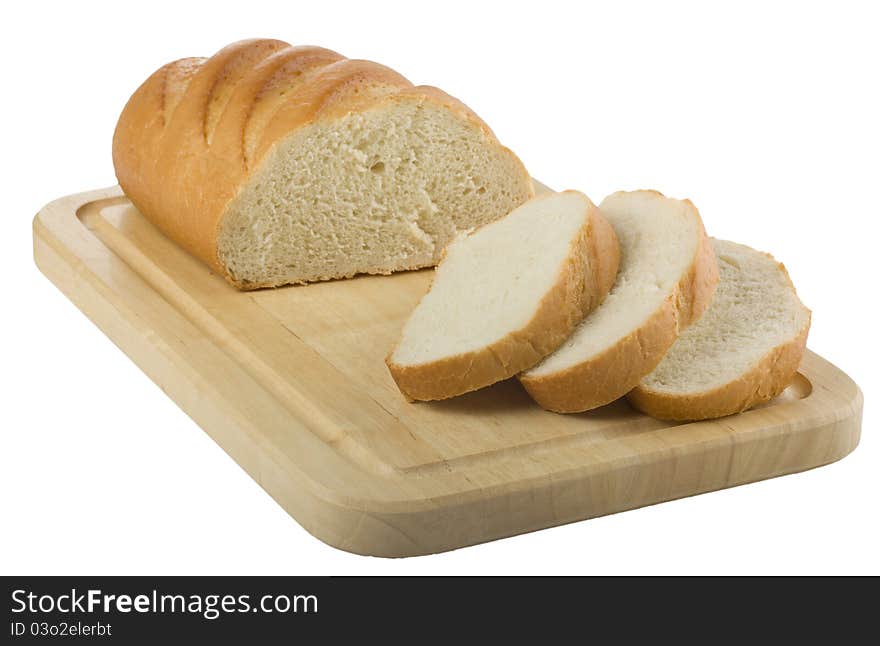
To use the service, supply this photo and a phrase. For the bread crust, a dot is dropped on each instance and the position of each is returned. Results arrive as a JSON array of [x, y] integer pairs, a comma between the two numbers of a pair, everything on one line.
[[610, 375], [193, 133], [767, 379], [770, 375], [582, 284]]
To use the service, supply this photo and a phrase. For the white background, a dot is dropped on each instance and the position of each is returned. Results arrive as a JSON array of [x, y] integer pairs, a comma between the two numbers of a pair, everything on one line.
[[765, 115]]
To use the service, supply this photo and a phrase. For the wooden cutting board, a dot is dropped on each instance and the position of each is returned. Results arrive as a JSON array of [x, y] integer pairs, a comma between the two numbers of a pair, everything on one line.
[[292, 384]]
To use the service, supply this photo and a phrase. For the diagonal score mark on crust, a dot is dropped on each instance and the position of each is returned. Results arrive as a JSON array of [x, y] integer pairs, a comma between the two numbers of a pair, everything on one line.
[[241, 58], [313, 93], [176, 78], [285, 72]]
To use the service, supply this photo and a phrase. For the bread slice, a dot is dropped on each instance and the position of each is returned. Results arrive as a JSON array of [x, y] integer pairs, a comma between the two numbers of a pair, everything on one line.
[[666, 280], [743, 351], [505, 296], [277, 164]]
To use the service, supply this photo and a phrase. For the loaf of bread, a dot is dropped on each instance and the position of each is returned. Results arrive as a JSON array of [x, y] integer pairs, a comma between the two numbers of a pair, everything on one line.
[[505, 296], [667, 277], [743, 351], [277, 164]]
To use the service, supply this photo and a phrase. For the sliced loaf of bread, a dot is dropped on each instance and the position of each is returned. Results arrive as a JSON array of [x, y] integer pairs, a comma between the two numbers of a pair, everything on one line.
[[743, 351], [505, 296], [666, 280], [277, 164]]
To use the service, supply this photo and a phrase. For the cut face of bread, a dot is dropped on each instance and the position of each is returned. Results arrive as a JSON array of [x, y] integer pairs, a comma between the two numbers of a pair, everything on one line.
[[743, 351], [371, 192], [505, 296], [666, 280]]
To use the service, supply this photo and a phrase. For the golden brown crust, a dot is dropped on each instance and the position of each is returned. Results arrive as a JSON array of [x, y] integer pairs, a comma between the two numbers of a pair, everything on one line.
[[611, 374], [582, 284], [175, 81], [697, 287], [163, 157], [767, 379], [604, 258], [193, 133]]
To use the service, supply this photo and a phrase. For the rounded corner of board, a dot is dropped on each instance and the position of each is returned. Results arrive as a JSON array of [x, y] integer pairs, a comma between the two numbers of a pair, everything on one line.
[[70, 204], [367, 532]]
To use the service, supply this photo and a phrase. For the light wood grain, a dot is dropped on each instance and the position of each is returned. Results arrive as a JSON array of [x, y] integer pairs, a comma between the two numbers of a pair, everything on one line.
[[291, 383]]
